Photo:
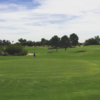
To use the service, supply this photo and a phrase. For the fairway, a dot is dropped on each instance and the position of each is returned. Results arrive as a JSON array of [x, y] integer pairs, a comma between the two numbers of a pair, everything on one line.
[[73, 74]]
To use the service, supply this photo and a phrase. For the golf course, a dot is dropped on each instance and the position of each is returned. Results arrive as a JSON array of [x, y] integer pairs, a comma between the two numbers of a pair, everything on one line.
[[73, 74]]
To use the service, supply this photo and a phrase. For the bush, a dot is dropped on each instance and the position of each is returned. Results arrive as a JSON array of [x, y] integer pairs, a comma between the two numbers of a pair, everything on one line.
[[24, 52], [16, 49]]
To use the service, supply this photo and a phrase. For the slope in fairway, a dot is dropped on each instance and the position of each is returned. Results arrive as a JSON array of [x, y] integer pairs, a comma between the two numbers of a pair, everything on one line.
[[61, 75]]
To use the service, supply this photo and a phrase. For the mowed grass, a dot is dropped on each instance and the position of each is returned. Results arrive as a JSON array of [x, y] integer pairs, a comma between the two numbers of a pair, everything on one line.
[[64, 75]]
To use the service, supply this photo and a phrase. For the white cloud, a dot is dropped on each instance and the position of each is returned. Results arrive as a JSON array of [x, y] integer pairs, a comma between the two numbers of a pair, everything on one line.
[[73, 7], [52, 17]]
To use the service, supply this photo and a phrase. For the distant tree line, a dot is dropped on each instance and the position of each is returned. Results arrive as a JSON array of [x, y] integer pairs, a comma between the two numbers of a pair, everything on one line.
[[55, 41], [5, 42], [92, 41], [43, 42]]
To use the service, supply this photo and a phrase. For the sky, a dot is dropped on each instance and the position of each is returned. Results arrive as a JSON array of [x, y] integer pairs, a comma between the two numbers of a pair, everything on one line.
[[36, 19]]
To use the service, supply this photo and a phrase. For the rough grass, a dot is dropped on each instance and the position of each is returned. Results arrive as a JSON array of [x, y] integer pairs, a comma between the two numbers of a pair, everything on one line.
[[51, 75]]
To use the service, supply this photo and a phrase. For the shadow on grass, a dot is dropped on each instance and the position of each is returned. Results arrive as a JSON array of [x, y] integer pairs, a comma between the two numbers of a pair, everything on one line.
[[51, 48], [80, 51], [51, 51]]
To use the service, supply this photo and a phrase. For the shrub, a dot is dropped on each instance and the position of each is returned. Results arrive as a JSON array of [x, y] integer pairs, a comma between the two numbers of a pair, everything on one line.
[[23, 52], [16, 49]]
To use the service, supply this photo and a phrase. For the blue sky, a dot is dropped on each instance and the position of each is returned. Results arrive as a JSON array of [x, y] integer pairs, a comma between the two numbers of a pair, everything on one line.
[[36, 19]]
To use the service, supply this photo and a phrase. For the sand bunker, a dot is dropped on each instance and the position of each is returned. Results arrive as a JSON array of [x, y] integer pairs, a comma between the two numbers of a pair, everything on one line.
[[29, 54]]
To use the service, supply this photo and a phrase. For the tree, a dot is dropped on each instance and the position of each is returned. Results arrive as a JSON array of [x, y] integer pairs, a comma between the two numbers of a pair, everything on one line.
[[29, 43], [22, 41], [91, 41], [97, 38], [55, 41], [34, 44], [47, 42], [8, 43], [4, 42], [43, 41], [65, 42], [1, 42], [1, 49], [38, 43], [74, 39]]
